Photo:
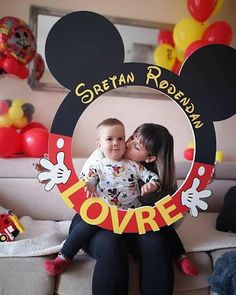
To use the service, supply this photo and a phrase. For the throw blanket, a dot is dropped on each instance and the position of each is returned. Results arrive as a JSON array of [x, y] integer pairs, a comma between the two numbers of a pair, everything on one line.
[[40, 238], [223, 278]]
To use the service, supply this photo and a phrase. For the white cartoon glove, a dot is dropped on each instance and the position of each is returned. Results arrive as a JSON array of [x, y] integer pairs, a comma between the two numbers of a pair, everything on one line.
[[55, 174], [192, 198]]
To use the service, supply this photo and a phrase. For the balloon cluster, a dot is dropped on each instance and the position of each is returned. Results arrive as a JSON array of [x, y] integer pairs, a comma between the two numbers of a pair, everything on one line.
[[15, 113], [18, 135], [190, 34], [17, 47]]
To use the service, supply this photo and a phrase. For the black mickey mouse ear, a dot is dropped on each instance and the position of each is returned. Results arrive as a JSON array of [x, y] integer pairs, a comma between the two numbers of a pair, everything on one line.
[[83, 46], [210, 73]]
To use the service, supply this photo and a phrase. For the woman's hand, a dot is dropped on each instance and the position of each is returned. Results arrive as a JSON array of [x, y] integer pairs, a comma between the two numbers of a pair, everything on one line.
[[90, 189], [40, 169], [149, 187]]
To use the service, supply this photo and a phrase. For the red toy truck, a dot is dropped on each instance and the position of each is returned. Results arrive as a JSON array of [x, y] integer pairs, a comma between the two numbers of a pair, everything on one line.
[[10, 226]]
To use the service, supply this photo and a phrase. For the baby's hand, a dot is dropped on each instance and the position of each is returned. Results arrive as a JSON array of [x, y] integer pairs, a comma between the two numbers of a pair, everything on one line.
[[148, 187], [90, 189]]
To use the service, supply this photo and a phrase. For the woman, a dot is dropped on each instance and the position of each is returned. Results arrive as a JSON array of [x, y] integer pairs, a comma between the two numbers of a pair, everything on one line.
[[152, 145]]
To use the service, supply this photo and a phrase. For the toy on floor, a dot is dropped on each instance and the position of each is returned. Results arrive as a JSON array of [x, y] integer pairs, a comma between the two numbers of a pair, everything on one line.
[[10, 226]]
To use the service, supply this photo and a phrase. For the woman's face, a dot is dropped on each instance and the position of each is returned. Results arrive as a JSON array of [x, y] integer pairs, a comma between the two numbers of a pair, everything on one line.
[[135, 151]]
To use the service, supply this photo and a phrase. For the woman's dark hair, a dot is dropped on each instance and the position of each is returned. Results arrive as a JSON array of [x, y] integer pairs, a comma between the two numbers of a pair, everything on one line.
[[158, 141]]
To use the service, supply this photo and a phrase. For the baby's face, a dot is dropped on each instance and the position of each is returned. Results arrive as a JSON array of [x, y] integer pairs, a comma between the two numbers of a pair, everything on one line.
[[135, 151], [112, 142]]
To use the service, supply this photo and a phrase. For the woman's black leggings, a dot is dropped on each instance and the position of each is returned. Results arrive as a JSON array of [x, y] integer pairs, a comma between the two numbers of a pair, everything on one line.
[[156, 269], [111, 251]]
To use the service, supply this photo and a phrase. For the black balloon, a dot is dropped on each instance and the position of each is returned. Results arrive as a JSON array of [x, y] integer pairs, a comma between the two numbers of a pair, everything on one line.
[[9, 102]]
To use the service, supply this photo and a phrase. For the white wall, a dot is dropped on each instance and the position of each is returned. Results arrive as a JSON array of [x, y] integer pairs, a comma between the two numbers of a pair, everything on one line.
[[131, 111]]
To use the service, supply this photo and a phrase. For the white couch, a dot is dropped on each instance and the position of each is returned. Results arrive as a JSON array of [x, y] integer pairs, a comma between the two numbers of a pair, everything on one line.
[[24, 274]]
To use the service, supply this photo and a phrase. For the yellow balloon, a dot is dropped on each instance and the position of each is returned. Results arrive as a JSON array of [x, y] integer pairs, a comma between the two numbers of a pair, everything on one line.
[[219, 4], [219, 156], [164, 56], [187, 31], [191, 145], [20, 123], [179, 54], [15, 113], [5, 121], [18, 102]]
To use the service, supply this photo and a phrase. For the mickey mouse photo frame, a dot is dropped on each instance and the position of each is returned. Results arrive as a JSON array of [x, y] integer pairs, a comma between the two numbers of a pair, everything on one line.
[[85, 54]]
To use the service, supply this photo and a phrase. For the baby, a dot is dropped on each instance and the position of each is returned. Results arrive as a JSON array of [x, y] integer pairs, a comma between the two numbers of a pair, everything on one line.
[[113, 178]]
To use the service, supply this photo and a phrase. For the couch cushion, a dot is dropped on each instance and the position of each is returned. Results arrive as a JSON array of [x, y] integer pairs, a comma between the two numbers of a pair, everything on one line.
[[225, 170], [199, 234], [21, 167], [79, 276], [25, 276], [25, 196], [204, 264]]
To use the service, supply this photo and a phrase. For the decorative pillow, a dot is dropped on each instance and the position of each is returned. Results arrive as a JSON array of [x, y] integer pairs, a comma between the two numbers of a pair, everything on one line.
[[223, 278], [226, 221]]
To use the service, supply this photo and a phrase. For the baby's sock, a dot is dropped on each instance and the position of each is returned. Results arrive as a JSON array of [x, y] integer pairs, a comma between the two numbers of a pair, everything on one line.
[[57, 265], [186, 265]]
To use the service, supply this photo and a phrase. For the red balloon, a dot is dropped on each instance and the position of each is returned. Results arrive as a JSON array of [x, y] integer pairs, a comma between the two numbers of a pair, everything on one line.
[[18, 141], [11, 65], [201, 9], [165, 37], [177, 66], [2, 58], [3, 107], [35, 142], [188, 154], [219, 32], [33, 125], [194, 46], [23, 72], [39, 66], [10, 142]]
